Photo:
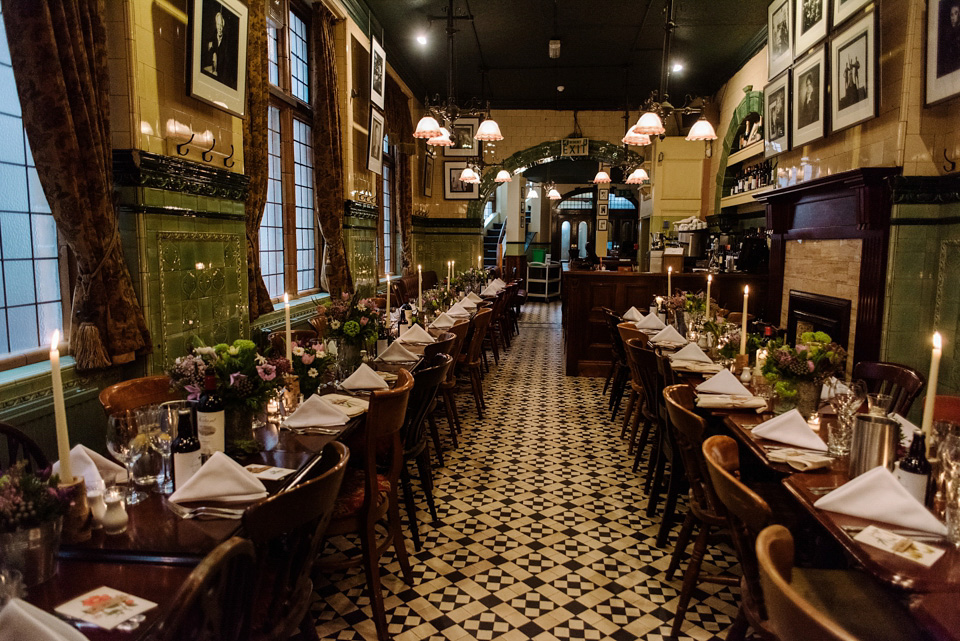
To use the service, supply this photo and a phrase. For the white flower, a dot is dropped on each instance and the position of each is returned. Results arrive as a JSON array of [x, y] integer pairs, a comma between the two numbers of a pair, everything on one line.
[[260, 359], [206, 351], [361, 308], [312, 372], [233, 350], [334, 324], [298, 351]]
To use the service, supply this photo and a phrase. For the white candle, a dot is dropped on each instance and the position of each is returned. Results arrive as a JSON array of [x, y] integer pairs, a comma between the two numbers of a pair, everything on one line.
[[931, 399], [60, 412], [479, 262], [420, 288], [709, 282], [743, 322], [286, 325], [388, 299]]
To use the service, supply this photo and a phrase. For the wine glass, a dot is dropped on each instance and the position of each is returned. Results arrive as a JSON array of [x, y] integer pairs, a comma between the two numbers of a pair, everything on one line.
[[126, 444], [161, 439]]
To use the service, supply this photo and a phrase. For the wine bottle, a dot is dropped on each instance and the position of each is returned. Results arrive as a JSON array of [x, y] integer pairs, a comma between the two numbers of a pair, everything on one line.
[[185, 450], [914, 469], [210, 417]]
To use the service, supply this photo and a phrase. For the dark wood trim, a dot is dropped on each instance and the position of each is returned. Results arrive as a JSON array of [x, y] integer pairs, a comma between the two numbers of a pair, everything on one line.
[[136, 168]]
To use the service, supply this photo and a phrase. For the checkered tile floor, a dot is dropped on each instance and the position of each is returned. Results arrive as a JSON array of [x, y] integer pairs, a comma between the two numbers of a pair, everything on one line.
[[542, 533]]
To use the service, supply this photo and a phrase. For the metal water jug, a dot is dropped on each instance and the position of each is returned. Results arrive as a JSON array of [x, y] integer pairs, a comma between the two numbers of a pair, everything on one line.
[[874, 443]]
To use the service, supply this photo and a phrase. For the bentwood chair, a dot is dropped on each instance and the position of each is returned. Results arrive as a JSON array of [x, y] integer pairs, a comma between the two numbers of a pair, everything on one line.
[[666, 452], [825, 605], [621, 371], [442, 345], [278, 340], [426, 380], [286, 530], [899, 381], [137, 392], [472, 361], [635, 403], [20, 447], [704, 511], [747, 514], [647, 363], [216, 599], [460, 330], [369, 494]]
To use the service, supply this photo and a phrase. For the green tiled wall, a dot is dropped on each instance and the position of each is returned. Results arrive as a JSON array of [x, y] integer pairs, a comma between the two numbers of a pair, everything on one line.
[[434, 245], [360, 237], [922, 292]]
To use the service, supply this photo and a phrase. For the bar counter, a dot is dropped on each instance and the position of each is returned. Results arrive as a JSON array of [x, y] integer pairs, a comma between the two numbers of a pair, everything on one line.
[[585, 293]]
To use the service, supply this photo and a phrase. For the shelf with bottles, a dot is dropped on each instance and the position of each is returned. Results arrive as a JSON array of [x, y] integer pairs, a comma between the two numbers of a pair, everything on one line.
[[747, 181]]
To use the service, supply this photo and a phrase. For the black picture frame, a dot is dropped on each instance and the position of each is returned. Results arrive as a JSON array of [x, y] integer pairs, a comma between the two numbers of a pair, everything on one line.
[[463, 132], [811, 18], [378, 72], [429, 164], [853, 74], [453, 187], [942, 72], [779, 37], [375, 132], [776, 115], [809, 84], [217, 60]]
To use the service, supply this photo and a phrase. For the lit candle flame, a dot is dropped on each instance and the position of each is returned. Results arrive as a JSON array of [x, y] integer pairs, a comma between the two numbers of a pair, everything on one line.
[[286, 298], [710, 278], [746, 289], [937, 341], [55, 340]]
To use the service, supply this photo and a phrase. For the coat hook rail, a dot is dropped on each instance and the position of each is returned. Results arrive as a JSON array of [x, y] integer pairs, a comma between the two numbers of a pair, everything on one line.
[[206, 155], [226, 161], [952, 164], [183, 151]]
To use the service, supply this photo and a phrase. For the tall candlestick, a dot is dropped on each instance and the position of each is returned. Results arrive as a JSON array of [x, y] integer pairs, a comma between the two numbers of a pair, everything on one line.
[[709, 282], [931, 399], [60, 412], [669, 281], [479, 262], [420, 288], [286, 325], [743, 322], [388, 300]]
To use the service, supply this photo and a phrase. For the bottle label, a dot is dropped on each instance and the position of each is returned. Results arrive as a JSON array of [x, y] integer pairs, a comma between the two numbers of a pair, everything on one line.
[[185, 465], [210, 429], [916, 484]]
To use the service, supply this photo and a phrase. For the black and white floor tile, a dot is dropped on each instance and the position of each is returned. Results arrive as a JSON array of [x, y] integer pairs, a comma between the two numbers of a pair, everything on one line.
[[542, 532]]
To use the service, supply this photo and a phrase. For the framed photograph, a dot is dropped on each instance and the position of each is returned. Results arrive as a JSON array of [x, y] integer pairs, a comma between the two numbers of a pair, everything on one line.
[[943, 50], [465, 146], [453, 187], [810, 25], [603, 209], [375, 143], [429, 160], [378, 72], [808, 85], [218, 54], [854, 74], [776, 107], [843, 9], [779, 38], [603, 195], [602, 224]]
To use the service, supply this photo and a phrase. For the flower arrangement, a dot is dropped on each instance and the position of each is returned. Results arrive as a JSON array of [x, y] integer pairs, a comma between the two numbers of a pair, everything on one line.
[[814, 359], [474, 278], [435, 300], [350, 318], [730, 344], [310, 364], [245, 378], [29, 500]]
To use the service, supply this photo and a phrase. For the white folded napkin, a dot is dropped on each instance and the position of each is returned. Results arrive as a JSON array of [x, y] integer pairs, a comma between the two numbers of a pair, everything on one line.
[[723, 382], [458, 311], [489, 290], [730, 401], [695, 366], [397, 353], [650, 321], [221, 479], [827, 391], [416, 334], [92, 466], [499, 283], [668, 335], [790, 428], [474, 298], [691, 352], [443, 321], [633, 314], [364, 378], [20, 621], [316, 412], [800, 460], [467, 304], [878, 495]]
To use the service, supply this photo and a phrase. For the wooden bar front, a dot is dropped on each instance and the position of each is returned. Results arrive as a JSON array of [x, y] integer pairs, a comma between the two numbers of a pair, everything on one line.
[[586, 339]]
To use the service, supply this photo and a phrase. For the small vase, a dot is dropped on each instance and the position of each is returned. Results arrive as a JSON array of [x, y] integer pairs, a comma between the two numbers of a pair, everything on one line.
[[33, 552], [348, 358], [238, 428], [808, 397]]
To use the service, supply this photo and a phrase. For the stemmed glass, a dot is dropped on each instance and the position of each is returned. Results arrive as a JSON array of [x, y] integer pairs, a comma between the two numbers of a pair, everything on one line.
[[126, 445], [161, 439]]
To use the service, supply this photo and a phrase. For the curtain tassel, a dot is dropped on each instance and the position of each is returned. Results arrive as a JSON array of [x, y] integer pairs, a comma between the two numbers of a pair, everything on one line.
[[88, 349]]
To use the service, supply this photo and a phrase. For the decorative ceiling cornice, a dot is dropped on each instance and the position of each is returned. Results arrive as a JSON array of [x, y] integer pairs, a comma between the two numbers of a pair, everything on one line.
[[925, 190]]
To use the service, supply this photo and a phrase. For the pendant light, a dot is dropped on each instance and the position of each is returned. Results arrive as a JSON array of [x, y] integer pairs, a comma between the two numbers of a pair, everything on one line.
[[428, 127], [650, 124], [442, 139], [702, 130], [638, 176], [634, 138], [469, 176], [601, 178], [531, 193], [489, 130], [552, 192], [503, 176]]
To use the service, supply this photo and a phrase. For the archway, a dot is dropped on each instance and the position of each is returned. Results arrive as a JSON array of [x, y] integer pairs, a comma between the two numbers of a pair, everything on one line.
[[752, 103]]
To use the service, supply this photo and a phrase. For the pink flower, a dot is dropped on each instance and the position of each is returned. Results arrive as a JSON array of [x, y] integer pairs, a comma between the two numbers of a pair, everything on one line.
[[364, 320], [267, 371], [193, 392], [345, 296], [811, 365], [235, 377], [307, 358]]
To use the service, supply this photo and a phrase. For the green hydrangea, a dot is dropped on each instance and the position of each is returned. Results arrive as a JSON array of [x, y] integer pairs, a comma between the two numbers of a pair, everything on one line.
[[351, 328]]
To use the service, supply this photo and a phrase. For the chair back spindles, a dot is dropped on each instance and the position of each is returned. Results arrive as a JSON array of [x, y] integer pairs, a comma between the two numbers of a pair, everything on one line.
[[441, 345], [427, 379], [480, 324], [137, 392], [278, 340], [901, 382], [689, 429], [19, 447]]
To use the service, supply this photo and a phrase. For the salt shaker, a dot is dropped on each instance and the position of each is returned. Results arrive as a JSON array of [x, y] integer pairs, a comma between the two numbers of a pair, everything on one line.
[[745, 375], [115, 517]]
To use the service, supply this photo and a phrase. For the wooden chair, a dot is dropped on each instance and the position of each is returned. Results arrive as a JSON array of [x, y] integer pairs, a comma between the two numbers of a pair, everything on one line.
[[286, 530], [747, 514], [946, 408], [493, 337], [426, 380], [137, 392], [666, 452], [636, 401], [20, 447], [369, 494], [472, 361], [216, 599], [442, 345], [825, 605], [618, 362], [647, 363], [704, 511], [278, 340], [460, 329], [899, 381]]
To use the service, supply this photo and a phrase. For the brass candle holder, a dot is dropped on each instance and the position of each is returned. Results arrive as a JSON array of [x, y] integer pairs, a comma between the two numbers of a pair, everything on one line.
[[77, 522]]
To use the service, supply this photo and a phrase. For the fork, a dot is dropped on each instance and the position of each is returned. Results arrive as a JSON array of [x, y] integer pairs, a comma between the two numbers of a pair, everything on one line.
[[204, 510], [311, 430]]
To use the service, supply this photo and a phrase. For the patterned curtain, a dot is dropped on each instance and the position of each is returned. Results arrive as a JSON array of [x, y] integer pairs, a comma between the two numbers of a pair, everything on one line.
[[328, 152], [60, 66], [255, 156], [400, 126]]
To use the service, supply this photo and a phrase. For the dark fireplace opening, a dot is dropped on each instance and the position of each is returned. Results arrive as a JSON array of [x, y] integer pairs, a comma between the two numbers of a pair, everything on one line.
[[808, 312]]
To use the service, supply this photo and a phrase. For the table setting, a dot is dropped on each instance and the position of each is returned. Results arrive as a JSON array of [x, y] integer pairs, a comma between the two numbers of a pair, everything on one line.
[[724, 391]]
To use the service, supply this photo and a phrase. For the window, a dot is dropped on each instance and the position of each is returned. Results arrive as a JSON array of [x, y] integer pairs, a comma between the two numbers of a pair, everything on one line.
[[290, 239], [31, 305]]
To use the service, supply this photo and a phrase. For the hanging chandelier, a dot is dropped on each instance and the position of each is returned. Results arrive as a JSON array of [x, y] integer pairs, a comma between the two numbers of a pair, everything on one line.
[[503, 176], [552, 192], [442, 114], [601, 178], [634, 138], [637, 177], [532, 193], [470, 175]]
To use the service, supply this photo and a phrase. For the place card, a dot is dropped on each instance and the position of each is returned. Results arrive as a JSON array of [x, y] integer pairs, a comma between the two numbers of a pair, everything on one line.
[[105, 607], [902, 546], [268, 472]]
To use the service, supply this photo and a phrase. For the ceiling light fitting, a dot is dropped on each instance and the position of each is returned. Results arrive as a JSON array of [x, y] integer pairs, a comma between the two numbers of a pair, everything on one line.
[[470, 175], [532, 193], [503, 176], [637, 177], [552, 193], [601, 178]]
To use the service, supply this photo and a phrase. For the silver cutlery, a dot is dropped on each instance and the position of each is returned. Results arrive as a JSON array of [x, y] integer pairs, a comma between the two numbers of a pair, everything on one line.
[[919, 535], [311, 430], [204, 510]]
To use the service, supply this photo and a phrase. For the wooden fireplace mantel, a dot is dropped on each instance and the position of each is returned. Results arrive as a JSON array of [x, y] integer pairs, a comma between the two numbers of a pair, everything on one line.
[[852, 204]]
